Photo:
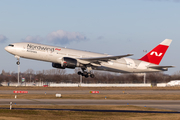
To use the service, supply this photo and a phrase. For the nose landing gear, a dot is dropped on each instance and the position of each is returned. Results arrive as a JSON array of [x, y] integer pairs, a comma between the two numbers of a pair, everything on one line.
[[18, 58], [18, 63]]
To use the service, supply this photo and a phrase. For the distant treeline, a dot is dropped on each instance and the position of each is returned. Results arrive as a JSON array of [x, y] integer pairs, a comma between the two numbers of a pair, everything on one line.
[[60, 76]]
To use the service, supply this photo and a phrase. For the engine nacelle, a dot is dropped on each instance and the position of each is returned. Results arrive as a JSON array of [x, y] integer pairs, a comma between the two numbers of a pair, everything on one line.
[[57, 65], [69, 63], [66, 63]]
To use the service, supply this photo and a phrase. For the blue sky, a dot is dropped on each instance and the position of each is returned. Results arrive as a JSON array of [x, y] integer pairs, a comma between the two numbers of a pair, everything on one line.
[[115, 27]]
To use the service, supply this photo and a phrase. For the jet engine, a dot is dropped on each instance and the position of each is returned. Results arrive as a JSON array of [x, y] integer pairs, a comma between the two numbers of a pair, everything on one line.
[[67, 63], [57, 65]]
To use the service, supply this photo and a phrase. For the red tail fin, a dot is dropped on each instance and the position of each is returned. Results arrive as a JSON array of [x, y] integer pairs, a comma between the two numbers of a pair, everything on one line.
[[155, 56]]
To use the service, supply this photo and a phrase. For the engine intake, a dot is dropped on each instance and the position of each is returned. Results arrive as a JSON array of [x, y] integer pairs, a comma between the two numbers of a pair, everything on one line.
[[69, 63]]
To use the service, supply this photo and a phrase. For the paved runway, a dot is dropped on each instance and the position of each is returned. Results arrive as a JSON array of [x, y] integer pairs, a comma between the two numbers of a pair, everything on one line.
[[91, 110], [161, 104]]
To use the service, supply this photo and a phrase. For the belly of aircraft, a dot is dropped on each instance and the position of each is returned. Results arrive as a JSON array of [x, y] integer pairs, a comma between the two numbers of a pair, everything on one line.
[[122, 68]]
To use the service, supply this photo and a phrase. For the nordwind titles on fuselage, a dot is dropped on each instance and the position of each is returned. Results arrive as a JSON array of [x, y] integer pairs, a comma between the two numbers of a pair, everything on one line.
[[31, 47]]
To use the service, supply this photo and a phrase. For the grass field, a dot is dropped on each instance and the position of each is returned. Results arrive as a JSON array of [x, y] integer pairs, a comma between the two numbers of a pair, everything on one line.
[[69, 115], [119, 96]]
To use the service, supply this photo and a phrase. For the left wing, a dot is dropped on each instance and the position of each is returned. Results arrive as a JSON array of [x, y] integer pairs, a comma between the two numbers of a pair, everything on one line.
[[105, 59]]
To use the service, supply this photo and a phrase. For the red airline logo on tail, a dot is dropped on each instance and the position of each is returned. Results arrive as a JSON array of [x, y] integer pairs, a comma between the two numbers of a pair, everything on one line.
[[156, 54]]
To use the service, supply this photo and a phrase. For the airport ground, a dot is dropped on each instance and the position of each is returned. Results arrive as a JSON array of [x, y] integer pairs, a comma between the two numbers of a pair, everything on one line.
[[74, 115], [86, 88], [138, 99]]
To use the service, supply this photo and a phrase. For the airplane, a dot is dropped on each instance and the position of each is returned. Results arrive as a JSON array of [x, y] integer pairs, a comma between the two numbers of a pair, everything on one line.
[[88, 61]]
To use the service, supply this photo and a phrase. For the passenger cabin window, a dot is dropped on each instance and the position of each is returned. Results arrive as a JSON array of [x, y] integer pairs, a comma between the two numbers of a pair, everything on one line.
[[11, 45]]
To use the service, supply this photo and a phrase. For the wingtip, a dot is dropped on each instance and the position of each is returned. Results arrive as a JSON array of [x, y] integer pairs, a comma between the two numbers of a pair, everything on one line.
[[130, 54]]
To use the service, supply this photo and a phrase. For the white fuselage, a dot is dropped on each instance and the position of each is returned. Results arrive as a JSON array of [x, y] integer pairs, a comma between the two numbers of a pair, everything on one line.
[[55, 54]]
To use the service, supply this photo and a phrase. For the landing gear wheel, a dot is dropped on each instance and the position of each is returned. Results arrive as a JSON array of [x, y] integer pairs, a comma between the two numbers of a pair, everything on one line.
[[79, 73], [92, 75], [86, 76], [17, 62]]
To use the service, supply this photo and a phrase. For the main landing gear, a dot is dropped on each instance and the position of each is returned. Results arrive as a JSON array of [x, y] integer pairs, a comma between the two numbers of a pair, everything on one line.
[[86, 74]]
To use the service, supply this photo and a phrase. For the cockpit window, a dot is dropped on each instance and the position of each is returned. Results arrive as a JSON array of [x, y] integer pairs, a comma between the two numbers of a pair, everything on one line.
[[11, 45]]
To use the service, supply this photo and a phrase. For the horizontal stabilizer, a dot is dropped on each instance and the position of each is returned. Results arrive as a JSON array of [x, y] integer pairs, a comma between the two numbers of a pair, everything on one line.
[[160, 67]]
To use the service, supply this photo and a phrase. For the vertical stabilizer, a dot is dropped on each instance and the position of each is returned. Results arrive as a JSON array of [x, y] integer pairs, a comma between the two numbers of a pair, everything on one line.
[[155, 56]]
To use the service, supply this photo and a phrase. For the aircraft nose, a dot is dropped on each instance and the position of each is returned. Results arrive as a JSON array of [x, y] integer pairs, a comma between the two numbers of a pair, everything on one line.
[[6, 48]]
